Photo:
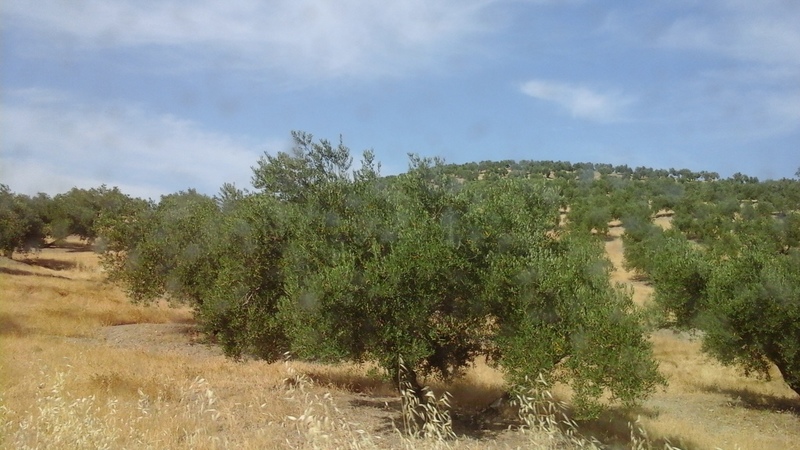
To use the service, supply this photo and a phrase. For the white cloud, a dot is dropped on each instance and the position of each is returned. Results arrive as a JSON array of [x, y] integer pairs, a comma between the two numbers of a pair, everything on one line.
[[307, 38], [759, 96], [51, 143], [764, 31], [731, 67], [580, 101]]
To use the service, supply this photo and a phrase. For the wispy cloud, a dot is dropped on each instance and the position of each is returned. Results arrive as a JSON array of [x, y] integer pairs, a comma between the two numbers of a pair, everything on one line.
[[306, 38], [52, 142], [761, 92], [764, 32], [733, 65], [580, 101]]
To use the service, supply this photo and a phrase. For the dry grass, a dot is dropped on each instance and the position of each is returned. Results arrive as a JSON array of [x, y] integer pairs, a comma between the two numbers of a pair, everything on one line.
[[708, 405], [71, 377], [64, 386]]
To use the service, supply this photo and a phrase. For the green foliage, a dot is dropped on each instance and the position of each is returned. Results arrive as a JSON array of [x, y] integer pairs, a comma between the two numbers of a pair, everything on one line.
[[293, 176], [679, 273], [21, 224], [77, 211], [438, 273], [590, 213], [560, 316], [628, 205], [677, 268], [240, 306], [664, 193], [741, 287], [119, 229], [163, 250], [753, 313], [642, 240], [340, 229]]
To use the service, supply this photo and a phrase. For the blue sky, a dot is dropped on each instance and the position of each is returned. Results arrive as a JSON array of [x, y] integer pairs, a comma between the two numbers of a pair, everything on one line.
[[160, 96]]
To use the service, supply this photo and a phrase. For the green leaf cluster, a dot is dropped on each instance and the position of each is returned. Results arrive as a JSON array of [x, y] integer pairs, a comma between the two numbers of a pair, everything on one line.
[[21, 226]]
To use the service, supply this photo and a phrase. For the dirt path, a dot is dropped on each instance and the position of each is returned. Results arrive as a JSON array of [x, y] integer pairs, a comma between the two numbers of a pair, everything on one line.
[[614, 249]]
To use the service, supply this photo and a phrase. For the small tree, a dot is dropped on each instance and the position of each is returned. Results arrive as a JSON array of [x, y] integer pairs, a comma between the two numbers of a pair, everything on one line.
[[163, 251], [752, 314], [21, 227], [120, 230], [332, 263], [679, 273], [590, 214], [641, 241], [436, 273], [77, 211]]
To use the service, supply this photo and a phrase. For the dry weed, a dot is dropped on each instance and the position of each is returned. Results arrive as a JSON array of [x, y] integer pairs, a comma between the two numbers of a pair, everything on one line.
[[62, 420], [321, 423], [424, 415]]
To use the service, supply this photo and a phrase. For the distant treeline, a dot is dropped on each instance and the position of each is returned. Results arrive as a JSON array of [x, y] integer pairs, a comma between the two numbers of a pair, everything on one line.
[[599, 194], [28, 222], [596, 193], [568, 170]]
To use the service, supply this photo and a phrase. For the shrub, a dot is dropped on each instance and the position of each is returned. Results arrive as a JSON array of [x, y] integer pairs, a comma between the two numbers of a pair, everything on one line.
[[21, 227], [752, 314]]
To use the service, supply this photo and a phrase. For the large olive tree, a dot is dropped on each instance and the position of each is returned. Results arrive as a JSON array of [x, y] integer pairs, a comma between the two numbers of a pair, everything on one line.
[[331, 263]]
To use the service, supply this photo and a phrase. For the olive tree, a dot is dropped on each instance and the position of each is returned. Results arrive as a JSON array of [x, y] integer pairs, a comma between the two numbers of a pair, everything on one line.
[[21, 227], [240, 306], [76, 212], [162, 250], [752, 316], [331, 262], [437, 273], [551, 302]]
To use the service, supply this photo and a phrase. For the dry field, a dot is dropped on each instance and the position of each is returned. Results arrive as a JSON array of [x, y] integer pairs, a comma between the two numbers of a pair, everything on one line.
[[83, 368]]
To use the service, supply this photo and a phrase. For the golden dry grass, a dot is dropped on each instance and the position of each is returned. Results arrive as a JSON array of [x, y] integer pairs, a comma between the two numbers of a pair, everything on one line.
[[59, 371], [84, 368], [709, 405]]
